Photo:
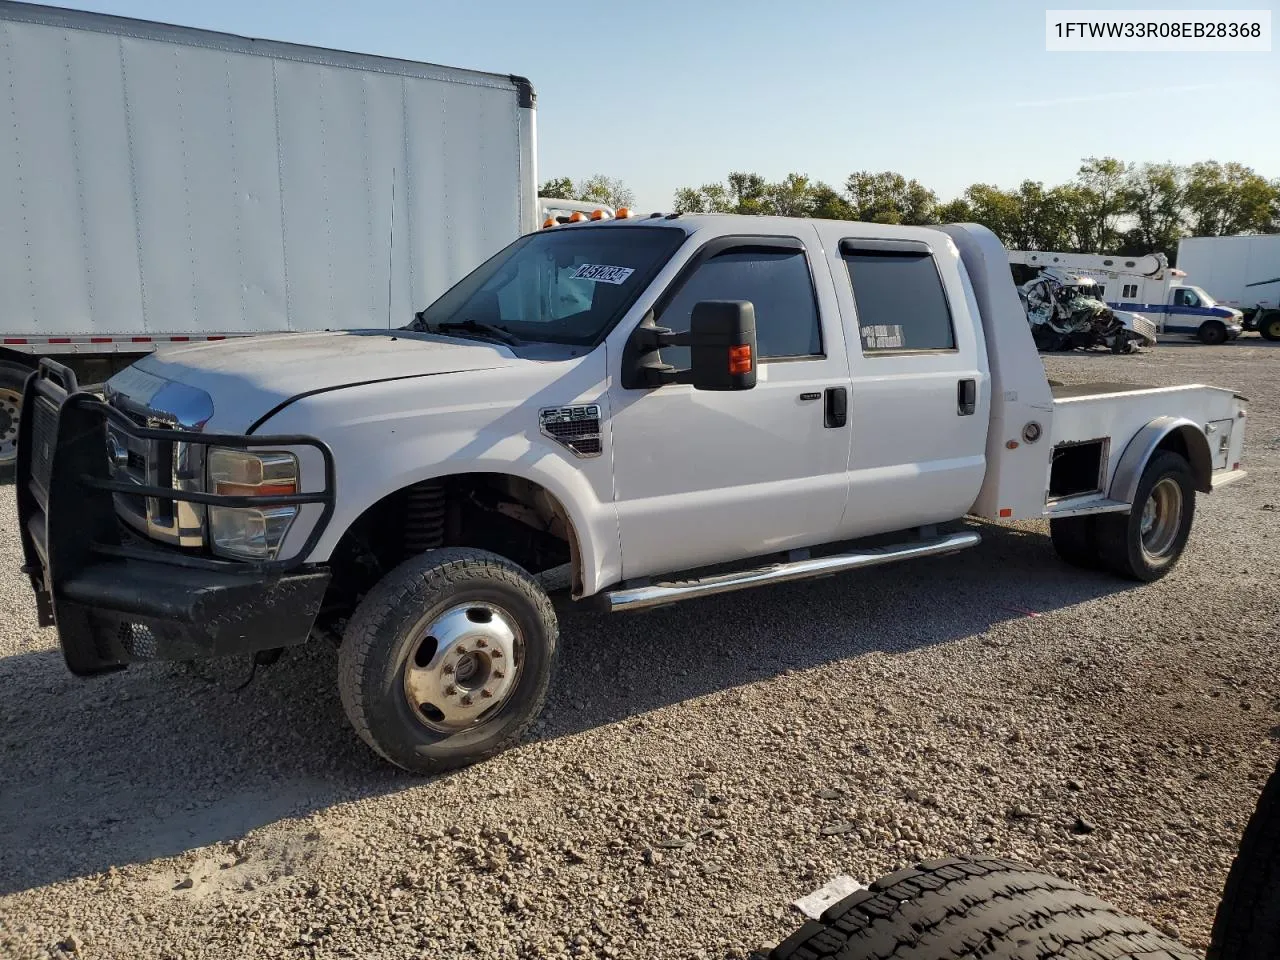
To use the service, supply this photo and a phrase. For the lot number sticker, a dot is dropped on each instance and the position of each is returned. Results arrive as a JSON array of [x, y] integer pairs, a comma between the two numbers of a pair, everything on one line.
[[602, 273]]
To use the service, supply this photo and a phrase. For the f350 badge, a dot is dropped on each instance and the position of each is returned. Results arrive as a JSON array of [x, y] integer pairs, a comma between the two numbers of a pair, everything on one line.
[[576, 427]]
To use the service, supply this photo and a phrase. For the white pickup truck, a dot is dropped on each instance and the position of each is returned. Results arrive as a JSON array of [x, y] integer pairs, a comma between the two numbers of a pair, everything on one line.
[[672, 406]]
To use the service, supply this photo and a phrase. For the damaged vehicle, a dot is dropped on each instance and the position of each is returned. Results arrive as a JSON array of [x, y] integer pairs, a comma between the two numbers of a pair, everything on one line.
[[1066, 312], [672, 407]]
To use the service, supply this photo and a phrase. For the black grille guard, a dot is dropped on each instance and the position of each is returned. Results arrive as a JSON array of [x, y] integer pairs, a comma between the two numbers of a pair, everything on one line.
[[75, 455], [116, 597]]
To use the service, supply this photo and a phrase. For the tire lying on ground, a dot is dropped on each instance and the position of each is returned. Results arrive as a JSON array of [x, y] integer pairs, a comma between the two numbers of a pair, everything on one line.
[[1247, 926], [989, 909]]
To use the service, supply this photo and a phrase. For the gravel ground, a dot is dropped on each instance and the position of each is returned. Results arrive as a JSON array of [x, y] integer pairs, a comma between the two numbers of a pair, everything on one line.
[[697, 768]]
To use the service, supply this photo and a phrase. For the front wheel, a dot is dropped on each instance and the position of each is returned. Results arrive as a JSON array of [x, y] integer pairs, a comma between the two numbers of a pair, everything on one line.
[[1213, 332], [448, 659], [1145, 543]]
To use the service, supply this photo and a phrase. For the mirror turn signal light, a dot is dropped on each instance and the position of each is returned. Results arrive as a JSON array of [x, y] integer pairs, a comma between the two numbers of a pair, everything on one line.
[[740, 358]]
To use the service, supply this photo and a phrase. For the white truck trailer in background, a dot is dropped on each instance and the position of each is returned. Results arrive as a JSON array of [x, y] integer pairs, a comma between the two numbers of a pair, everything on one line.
[[1241, 272], [161, 184]]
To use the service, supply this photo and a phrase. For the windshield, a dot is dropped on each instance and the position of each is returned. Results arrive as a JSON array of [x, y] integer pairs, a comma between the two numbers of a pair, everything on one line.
[[563, 285]]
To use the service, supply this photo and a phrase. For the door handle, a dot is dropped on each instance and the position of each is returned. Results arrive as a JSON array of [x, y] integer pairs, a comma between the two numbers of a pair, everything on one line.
[[835, 407], [966, 397]]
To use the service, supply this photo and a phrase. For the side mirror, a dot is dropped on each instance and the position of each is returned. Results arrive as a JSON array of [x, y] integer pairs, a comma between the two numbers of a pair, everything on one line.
[[722, 345], [722, 349]]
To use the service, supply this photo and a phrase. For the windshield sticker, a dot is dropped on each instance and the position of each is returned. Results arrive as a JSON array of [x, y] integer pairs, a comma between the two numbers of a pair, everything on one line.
[[883, 336], [602, 273]]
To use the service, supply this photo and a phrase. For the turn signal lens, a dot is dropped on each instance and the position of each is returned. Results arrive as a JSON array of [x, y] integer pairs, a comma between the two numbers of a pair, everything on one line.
[[239, 473], [250, 533], [740, 358]]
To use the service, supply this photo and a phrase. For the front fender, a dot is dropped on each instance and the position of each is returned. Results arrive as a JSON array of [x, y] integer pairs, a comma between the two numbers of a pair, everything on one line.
[[1124, 483], [594, 522], [387, 436]]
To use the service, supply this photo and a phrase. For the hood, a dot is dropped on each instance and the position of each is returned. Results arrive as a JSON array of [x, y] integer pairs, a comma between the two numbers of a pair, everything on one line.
[[248, 376]]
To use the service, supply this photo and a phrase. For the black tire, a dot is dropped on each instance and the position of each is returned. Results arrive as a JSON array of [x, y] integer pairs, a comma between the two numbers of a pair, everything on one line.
[[1076, 541], [993, 909], [1212, 332], [1121, 544], [13, 378], [1247, 926], [1268, 325], [387, 630]]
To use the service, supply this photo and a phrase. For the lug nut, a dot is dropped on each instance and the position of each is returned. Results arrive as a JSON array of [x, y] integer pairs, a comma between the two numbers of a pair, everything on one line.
[[450, 690], [466, 701], [497, 652], [498, 674], [486, 694], [447, 668], [481, 642]]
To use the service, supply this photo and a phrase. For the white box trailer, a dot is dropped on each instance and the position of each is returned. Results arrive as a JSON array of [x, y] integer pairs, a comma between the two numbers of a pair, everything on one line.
[[1241, 272], [160, 184]]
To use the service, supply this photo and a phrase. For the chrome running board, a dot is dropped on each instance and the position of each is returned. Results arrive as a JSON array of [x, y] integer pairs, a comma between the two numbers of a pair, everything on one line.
[[656, 594]]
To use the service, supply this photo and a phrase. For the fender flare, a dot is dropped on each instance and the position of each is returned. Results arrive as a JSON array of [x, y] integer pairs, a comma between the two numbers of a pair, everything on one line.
[[1152, 437]]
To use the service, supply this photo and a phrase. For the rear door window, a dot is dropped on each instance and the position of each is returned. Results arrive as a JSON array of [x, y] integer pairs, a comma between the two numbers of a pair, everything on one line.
[[899, 298]]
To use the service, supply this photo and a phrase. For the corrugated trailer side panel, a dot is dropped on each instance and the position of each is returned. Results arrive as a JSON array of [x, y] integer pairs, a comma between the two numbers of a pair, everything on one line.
[[149, 185]]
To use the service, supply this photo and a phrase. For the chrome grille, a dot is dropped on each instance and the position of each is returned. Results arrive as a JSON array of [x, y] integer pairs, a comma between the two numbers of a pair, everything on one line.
[[152, 463]]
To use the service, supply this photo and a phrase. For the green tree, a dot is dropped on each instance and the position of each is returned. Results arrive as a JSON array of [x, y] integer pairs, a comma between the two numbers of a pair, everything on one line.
[[996, 209], [607, 190], [1101, 200], [889, 197], [1228, 198], [1155, 196], [826, 203], [746, 193], [561, 189], [595, 189], [955, 211], [789, 197]]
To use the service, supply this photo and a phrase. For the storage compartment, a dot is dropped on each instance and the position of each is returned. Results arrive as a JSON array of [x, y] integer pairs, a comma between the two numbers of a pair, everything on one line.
[[1079, 469]]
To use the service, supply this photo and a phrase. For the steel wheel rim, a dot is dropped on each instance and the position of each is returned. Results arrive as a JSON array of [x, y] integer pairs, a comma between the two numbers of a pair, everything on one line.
[[10, 402], [463, 666], [1161, 518]]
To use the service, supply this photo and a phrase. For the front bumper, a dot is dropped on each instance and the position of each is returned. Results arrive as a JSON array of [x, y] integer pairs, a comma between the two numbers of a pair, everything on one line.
[[116, 598], [1234, 330]]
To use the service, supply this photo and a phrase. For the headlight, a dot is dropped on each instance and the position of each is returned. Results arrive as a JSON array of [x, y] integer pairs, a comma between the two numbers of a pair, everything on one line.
[[250, 533]]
